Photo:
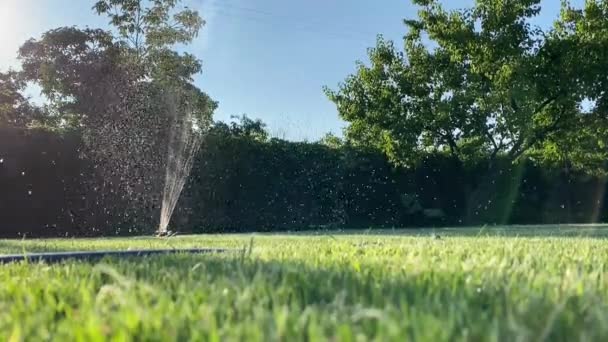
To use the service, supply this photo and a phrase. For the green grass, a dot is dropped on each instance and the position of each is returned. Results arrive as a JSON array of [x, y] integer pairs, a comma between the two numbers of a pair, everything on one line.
[[502, 284]]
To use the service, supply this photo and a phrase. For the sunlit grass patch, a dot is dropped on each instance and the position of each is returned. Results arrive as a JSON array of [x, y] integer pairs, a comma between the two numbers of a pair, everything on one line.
[[468, 285]]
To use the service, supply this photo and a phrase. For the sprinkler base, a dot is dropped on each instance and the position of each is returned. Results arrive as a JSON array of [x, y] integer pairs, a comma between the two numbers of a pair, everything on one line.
[[167, 233]]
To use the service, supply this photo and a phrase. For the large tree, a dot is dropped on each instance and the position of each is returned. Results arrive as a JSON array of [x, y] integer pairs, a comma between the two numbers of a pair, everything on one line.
[[477, 83], [124, 90], [83, 71], [151, 29]]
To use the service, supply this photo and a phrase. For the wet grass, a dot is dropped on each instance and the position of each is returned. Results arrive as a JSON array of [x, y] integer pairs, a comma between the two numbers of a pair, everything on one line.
[[503, 284]]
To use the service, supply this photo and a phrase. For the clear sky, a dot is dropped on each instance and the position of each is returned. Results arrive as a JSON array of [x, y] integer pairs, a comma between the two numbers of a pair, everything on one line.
[[267, 58]]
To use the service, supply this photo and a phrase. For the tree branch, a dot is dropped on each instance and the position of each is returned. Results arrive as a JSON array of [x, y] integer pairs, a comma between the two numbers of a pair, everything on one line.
[[547, 102], [491, 138], [497, 148], [454, 149], [138, 27], [516, 152]]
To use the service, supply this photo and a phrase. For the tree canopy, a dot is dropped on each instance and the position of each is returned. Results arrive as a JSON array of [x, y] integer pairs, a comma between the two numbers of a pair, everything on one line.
[[84, 72], [482, 82], [15, 109]]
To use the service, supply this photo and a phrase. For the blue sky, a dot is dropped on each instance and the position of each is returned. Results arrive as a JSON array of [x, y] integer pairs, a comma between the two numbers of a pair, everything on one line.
[[267, 58]]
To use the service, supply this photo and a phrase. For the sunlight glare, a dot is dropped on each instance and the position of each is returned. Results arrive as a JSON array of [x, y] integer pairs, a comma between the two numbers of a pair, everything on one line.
[[14, 21]]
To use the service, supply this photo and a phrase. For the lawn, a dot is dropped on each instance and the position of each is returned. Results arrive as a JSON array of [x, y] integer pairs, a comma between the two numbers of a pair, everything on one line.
[[502, 284]]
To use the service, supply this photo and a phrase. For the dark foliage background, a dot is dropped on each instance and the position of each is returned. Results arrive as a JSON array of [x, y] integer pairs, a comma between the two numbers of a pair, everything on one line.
[[246, 182]]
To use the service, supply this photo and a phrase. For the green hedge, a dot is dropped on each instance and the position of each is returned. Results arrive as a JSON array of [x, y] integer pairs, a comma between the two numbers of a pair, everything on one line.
[[242, 183]]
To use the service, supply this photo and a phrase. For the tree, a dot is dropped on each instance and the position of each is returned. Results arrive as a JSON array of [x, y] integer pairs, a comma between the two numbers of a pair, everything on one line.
[[585, 32], [83, 71], [487, 84], [148, 25], [583, 35], [332, 141], [125, 93], [151, 29], [79, 71]]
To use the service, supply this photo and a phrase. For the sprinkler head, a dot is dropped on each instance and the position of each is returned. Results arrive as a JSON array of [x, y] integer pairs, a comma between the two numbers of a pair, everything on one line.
[[165, 233]]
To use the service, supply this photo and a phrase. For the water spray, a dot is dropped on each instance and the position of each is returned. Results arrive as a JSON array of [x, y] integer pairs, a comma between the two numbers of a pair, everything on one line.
[[184, 143]]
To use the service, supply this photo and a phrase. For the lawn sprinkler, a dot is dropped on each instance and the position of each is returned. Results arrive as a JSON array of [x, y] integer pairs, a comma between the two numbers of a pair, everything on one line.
[[165, 233]]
